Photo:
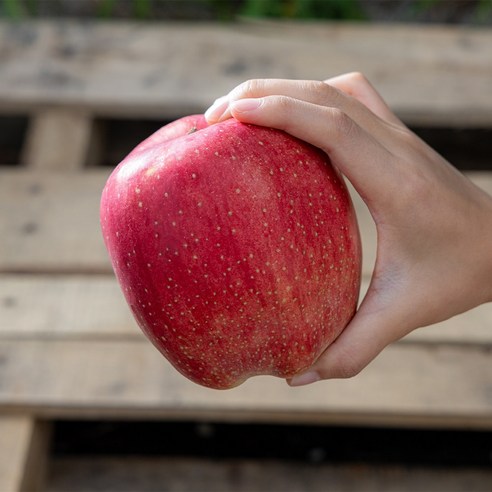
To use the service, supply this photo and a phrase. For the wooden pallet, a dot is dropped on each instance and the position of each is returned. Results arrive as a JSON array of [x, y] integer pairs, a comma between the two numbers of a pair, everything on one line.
[[68, 345]]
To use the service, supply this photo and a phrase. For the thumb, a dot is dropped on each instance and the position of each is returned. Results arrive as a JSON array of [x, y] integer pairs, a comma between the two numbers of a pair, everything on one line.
[[369, 332]]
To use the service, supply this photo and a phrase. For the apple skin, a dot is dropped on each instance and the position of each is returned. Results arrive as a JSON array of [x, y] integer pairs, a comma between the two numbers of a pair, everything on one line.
[[236, 247]]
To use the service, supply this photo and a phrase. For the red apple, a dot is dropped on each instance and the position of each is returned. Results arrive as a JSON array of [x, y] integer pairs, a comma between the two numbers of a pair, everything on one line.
[[236, 247]]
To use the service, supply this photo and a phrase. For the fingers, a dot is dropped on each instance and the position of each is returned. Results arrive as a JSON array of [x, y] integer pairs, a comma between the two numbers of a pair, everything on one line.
[[329, 129], [424, 211], [351, 93], [311, 91], [356, 85], [377, 323], [354, 349]]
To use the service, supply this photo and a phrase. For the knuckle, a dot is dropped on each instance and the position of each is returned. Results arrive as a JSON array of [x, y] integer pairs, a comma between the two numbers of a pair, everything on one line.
[[248, 88], [343, 125], [349, 370], [346, 366], [317, 86], [329, 95], [340, 363], [283, 103], [282, 107]]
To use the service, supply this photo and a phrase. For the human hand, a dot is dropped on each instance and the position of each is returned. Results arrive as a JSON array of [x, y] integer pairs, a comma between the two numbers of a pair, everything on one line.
[[434, 226]]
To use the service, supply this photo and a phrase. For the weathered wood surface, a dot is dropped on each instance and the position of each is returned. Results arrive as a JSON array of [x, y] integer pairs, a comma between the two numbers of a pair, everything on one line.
[[68, 344], [107, 474], [407, 385], [23, 453], [429, 74], [50, 221]]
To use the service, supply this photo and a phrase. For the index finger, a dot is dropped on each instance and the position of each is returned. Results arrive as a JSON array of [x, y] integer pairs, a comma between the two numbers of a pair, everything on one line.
[[358, 86]]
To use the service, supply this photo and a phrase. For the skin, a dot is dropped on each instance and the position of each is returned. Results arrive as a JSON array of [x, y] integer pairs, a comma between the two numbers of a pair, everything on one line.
[[434, 226]]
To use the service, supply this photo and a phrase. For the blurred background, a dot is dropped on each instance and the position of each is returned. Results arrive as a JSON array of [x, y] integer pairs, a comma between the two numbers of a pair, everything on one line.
[[86, 403], [441, 11]]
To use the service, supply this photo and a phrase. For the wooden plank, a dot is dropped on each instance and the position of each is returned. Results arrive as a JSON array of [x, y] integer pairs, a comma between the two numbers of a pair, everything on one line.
[[75, 307], [23, 453], [78, 307], [58, 140], [407, 385], [429, 74], [50, 222], [190, 475]]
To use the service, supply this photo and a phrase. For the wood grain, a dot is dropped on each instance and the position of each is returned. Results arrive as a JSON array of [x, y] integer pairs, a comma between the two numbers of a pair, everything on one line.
[[50, 221], [407, 385], [429, 75]]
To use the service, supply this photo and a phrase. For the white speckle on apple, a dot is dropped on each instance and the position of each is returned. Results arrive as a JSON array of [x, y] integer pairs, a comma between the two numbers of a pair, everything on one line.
[[140, 204], [137, 190], [222, 320]]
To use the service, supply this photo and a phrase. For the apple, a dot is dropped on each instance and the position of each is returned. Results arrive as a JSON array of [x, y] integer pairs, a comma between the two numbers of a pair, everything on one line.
[[236, 247]]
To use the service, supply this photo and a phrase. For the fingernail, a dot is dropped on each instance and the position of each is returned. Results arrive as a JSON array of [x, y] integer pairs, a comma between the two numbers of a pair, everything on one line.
[[305, 378], [217, 109], [245, 105]]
